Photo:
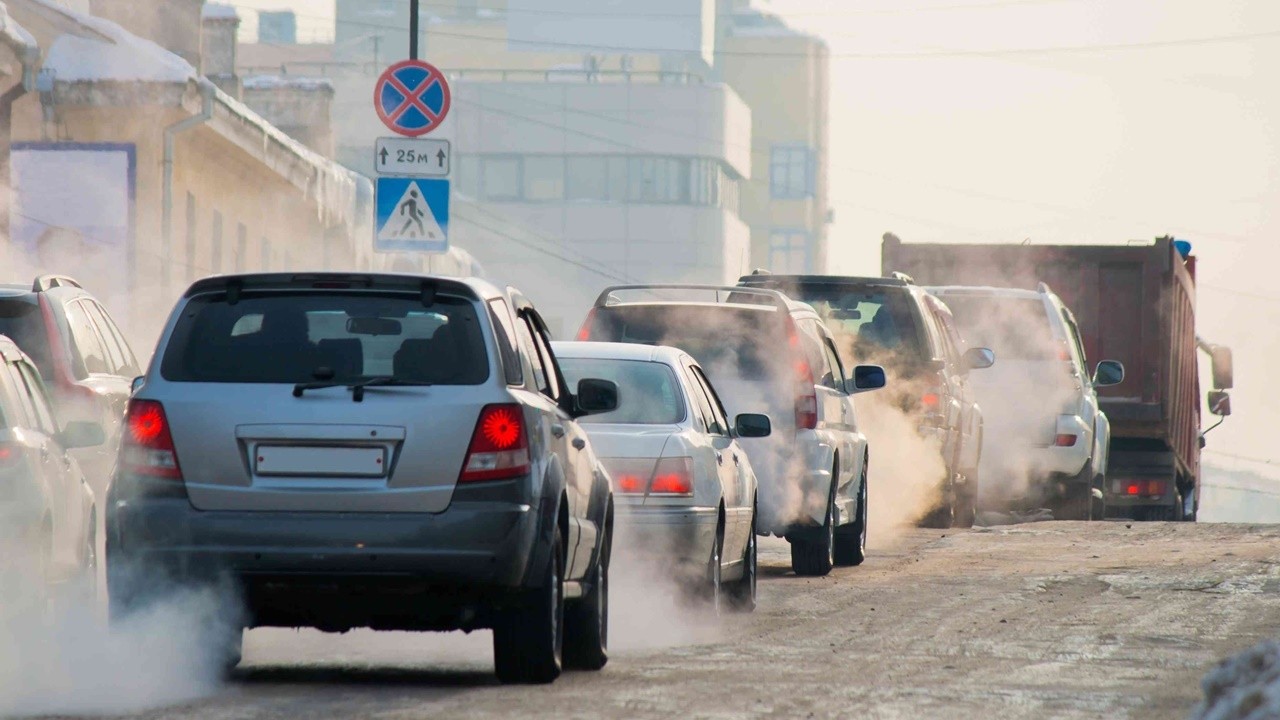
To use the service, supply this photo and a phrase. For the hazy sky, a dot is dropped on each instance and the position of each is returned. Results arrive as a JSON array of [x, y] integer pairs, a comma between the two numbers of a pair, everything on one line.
[[1059, 121]]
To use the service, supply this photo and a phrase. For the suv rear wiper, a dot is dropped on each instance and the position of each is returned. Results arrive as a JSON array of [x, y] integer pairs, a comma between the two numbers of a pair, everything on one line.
[[357, 388]]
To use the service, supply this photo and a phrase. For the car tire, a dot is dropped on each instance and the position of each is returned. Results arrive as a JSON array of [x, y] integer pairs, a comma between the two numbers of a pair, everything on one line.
[[813, 555], [741, 593], [84, 587], [1098, 506], [966, 512], [528, 641], [939, 518], [851, 541], [230, 648], [1168, 513], [713, 591], [586, 622]]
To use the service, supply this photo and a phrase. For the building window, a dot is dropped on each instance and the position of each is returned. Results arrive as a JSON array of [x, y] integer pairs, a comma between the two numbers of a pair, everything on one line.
[[215, 244], [659, 180], [500, 177], [265, 263], [789, 251], [468, 176], [791, 175], [587, 178], [543, 177], [242, 247]]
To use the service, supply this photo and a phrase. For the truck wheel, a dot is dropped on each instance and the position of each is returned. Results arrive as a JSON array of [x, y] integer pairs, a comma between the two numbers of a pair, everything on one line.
[[851, 540], [814, 555], [741, 593], [586, 623], [528, 642], [1168, 513]]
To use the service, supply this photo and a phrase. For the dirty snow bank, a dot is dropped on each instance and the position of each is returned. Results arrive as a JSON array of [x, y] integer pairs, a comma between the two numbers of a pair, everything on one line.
[[1243, 687]]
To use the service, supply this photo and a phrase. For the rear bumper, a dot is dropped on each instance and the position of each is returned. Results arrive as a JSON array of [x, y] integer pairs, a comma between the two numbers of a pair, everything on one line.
[[680, 536], [476, 553]]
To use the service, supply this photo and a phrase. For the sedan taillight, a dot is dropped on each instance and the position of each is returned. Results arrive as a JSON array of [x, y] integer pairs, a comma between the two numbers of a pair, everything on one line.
[[667, 477]]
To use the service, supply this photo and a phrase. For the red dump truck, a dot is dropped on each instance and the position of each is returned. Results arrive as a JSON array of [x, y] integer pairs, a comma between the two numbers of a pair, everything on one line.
[[1134, 303]]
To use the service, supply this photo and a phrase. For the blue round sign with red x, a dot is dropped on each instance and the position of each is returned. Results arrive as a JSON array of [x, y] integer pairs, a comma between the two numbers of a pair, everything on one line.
[[412, 97]]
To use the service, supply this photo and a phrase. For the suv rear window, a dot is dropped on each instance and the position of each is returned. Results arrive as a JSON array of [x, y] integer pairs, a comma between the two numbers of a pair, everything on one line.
[[721, 338], [647, 391], [23, 323], [873, 320], [301, 337], [1014, 328]]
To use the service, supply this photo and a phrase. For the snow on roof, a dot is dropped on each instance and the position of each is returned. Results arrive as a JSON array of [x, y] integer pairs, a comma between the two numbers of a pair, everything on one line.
[[126, 57], [217, 11], [13, 33], [292, 82]]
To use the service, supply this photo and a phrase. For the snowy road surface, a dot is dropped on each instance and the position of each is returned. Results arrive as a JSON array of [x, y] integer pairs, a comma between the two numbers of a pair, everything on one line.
[[1046, 620]]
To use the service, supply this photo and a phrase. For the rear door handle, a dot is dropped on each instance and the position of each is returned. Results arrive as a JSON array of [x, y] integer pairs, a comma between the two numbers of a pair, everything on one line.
[[579, 443], [736, 461], [557, 430]]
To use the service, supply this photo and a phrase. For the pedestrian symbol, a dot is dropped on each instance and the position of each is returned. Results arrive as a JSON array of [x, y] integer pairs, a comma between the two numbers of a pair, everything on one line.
[[412, 214]]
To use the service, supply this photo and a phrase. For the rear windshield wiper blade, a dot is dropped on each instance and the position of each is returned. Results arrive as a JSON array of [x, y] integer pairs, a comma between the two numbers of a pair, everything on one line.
[[357, 388]]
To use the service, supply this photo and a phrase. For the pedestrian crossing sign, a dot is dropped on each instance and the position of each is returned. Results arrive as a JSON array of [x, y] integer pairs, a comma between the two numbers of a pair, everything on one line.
[[411, 215]]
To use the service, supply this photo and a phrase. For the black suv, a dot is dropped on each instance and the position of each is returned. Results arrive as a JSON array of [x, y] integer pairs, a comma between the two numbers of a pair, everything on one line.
[[81, 354], [894, 323]]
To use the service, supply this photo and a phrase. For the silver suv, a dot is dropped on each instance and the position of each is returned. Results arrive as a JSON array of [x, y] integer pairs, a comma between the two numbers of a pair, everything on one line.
[[386, 451], [767, 353]]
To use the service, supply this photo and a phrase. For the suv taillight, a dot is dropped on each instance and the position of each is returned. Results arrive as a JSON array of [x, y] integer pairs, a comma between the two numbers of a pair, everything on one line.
[[9, 455], [147, 445], [806, 395], [584, 333], [499, 446], [668, 477]]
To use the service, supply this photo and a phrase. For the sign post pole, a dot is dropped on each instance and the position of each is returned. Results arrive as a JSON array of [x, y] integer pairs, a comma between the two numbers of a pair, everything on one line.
[[413, 29]]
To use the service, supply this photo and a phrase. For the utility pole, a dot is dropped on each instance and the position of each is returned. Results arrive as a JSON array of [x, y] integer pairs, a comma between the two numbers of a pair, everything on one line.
[[413, 29]]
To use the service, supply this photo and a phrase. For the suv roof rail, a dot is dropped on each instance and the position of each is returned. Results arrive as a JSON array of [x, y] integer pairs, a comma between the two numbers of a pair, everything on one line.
[[761, 271], [903, 277], [48, 282], [775, 297], [1044, 288]]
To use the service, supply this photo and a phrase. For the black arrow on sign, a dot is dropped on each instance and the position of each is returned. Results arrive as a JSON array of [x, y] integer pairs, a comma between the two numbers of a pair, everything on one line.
[[383, 155], [440, 158]]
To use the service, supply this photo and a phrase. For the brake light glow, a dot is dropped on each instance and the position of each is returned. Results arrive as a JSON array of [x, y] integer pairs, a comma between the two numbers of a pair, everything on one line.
[[499, 447], [673, 477], [806, 407], [147, 446], [1140, 488], [1065, 440], [667, 477], [930, 400], [584, 333], [7, 455]]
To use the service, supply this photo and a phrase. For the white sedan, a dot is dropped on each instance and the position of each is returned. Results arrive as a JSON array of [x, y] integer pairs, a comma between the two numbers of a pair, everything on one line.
[[683, 486]]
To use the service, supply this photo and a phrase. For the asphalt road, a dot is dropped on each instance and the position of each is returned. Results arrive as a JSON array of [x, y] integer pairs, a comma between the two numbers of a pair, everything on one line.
[[1046, 620]]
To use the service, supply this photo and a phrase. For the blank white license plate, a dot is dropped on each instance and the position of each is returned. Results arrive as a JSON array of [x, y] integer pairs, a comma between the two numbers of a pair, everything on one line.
[[329, 461]]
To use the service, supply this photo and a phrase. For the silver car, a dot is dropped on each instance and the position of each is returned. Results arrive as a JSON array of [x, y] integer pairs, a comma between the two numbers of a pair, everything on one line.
[[684, 486], [386, 451], [766, 351], [47, 510]]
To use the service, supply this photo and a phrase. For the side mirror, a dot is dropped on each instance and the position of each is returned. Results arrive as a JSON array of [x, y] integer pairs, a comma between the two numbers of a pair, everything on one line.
[[979, 358], [752, 425], [79, 434], [1223, 372], [865, 377], [1109, 373], [597, 396], [136, 384], [1220, 403]]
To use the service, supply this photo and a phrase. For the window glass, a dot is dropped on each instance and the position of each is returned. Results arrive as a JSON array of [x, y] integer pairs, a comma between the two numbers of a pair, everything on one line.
[[117, 362], [22, 407], [789, 251], [811, 343], [11, 410], [617, 179], [23, 323], [85, 339], [791, 172], [468, 176], [215, 243], [501, 316], [193, 262], [264, 262], [242, 247], [718, 415], [544, 178], [290, 338], [1077, 349], [702, 402], [587, 178], [836, 378], [131, 360], [38, 399], [501, 178], [648, 393], [524, 336], [543, 344], [1014, 328]]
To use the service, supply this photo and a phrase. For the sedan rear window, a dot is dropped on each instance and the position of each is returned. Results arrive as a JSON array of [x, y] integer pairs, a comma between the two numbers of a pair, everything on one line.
[[305, 337], [726, 340], [647, 391]]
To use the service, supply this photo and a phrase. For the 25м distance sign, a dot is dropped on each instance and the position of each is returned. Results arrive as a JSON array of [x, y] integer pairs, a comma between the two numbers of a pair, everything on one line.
[[412, 97]]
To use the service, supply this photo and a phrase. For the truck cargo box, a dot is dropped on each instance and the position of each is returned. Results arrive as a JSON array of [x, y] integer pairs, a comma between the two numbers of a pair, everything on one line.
[[1134, 303]]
